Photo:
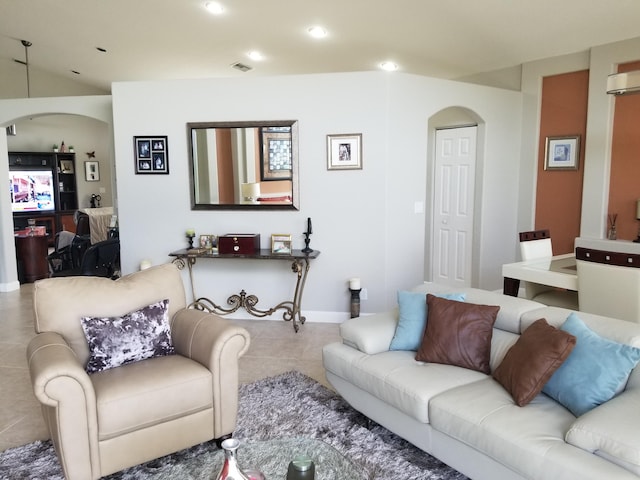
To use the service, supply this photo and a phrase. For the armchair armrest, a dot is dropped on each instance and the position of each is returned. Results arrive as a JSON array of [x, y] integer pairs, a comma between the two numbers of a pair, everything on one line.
[[62, 386], [217, 344]]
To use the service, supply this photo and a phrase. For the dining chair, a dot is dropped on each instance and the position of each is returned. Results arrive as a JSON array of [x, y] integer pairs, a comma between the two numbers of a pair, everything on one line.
[[609, 283], [536, 244]]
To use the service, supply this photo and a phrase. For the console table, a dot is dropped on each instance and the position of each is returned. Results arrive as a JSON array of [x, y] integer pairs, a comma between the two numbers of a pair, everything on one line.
[[300, 263]]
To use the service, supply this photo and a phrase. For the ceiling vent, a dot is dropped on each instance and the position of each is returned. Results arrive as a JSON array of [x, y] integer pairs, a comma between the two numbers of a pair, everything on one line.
[[241, 66], [624, 83]]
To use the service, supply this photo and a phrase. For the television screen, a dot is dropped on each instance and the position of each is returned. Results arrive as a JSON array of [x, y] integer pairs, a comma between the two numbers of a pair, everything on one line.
[[31, 190]]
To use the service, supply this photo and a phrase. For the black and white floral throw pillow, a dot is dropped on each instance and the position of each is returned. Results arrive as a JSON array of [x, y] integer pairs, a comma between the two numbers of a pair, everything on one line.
[[115, 341]]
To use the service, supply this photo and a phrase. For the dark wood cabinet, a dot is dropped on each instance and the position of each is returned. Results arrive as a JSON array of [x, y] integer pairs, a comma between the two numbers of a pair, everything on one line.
[[31, 254]]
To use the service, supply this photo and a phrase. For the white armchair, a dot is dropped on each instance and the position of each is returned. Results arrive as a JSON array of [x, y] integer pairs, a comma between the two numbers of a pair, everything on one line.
[[106, 421]]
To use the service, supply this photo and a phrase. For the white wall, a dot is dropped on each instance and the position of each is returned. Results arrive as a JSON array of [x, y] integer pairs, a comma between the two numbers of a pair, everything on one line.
[[364, 220]]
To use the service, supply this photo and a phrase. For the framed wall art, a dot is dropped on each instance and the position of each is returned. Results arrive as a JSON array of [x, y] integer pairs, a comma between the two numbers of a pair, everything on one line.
[[151, 155], [344, 152], [281, 243], [562, 153], [277, 157], [92, 171]]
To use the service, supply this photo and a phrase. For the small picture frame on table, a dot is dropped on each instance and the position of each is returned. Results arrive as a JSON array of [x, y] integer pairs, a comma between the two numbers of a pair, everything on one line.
[[344, 152], [209, 242], [281, 244], [562, 153], [151, 154]]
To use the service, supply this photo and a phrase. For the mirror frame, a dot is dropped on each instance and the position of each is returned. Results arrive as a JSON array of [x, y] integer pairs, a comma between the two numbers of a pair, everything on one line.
[[295, 194]]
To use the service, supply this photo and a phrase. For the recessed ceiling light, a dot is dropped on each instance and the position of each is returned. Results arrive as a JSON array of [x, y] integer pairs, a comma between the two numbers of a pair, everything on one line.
[[317, 32], [389, 66], [255, 55], [214, 7]]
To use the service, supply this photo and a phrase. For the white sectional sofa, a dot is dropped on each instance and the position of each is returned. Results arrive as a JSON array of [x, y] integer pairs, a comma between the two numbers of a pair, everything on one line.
[[468, 420]]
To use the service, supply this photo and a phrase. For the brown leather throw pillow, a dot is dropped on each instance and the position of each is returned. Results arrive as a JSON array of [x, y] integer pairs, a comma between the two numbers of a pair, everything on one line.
[[458, 333], [532, 360]]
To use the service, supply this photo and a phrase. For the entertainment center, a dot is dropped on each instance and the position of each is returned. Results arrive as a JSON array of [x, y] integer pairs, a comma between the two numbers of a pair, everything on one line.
[[43, 187]]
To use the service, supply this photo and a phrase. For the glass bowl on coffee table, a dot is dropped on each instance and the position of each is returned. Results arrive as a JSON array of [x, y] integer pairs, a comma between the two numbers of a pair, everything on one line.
[[272, 457]]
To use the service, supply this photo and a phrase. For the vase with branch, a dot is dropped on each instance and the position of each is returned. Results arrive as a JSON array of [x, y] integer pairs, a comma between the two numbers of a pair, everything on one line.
[[613, 231]]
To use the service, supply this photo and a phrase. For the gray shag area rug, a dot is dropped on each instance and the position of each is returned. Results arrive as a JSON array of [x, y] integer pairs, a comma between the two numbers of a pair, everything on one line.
[[287, 405]]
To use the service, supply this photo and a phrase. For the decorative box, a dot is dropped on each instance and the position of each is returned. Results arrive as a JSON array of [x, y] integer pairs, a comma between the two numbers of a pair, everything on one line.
[[239, 243]]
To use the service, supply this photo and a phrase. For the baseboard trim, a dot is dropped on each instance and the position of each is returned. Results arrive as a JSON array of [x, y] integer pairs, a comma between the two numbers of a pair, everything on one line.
[[9, 287]]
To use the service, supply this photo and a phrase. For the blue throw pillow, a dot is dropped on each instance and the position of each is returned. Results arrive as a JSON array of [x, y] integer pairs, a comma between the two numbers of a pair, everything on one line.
[[594, 372], [413, 319]]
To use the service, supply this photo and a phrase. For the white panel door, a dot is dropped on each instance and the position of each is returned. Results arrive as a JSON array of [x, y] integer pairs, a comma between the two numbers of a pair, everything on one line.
[[455, 164]]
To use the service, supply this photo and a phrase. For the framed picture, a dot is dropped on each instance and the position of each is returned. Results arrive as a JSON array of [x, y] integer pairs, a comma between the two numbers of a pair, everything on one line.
[[66, 166], [92, 171], [276, 161], [344, 152], [281, 243], [208, 241], [562, 153], [151, 155]]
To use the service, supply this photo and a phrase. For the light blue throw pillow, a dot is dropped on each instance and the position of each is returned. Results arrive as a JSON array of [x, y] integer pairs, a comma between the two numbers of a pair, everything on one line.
[[594, 372], [413, 319]]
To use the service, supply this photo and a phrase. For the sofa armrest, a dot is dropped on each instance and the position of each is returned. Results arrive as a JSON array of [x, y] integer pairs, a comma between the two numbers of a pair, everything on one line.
[[62, 386], [370, 334], [611, 430], [217, 344]]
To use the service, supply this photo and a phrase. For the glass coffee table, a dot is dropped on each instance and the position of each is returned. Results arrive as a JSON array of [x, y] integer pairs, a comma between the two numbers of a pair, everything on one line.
[[272, 458]]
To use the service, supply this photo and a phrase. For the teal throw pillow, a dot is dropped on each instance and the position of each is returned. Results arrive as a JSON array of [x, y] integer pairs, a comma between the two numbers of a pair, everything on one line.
[[413, 319], [594, 372]]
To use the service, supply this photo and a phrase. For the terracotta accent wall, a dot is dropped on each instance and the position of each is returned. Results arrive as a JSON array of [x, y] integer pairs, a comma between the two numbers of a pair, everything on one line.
[[559, 193], [624, 182]]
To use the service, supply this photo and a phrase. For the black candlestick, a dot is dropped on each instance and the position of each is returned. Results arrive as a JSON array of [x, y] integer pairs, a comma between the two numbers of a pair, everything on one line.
[[307, 240]]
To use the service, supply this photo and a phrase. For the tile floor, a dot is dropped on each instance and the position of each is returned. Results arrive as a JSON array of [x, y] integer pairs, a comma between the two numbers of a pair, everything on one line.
[[275, 348]]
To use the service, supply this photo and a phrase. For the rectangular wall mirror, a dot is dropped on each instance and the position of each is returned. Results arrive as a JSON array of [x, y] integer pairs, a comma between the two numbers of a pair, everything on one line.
[[244, 165]]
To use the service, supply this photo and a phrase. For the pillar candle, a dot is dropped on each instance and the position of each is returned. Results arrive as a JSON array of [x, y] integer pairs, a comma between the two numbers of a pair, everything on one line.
[[190, 232], [309, 231], [354, 284]]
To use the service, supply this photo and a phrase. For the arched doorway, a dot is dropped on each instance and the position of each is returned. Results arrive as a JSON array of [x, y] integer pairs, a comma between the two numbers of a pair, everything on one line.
[[453, 193], [15, 110]]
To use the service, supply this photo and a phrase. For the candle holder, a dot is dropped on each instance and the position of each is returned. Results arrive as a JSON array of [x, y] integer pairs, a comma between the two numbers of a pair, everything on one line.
[[307, 240], [355, 302], [190, 237]]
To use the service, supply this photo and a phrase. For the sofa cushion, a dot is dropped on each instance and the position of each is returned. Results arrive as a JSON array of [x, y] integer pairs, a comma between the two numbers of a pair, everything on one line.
[[458, 333], [529, 363], [413, 319], [529, 440], [611, 431], [395, 377], [115, 341], [511, 308], [594, 372], [150, 392]]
